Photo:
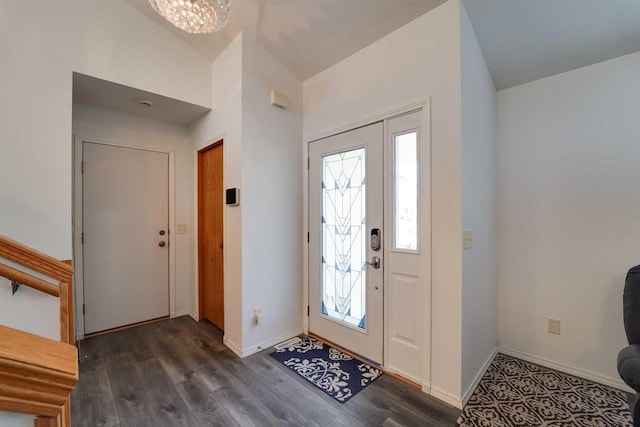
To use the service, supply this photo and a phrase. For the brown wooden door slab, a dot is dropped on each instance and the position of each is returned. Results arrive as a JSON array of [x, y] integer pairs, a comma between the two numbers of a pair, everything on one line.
[[210, 233]]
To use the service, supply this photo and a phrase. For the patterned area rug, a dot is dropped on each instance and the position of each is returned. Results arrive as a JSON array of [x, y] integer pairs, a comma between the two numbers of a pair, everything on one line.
[[517, 393], [337, 374]]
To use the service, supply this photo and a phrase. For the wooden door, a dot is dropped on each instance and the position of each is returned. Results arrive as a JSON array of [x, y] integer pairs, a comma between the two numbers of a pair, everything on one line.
[[210, 234]]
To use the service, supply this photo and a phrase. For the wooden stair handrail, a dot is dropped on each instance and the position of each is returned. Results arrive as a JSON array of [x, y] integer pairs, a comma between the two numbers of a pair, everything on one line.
[[61, 271], [29, 383], [29, 280], [35, 260]]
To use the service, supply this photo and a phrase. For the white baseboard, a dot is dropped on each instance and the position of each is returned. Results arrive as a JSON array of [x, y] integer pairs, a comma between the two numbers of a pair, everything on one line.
[[467, 394], [257, 348], [231, 346], [453, 400], [588, 375], [446, 397], [426, 386], [403, 374], [180, 313], [194, 316]]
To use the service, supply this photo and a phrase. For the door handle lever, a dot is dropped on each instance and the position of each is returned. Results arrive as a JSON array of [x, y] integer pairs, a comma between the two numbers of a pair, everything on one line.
[[375, 262]]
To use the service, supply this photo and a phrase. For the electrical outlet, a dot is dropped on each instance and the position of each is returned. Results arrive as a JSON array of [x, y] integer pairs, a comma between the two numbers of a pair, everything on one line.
[[553, 326]]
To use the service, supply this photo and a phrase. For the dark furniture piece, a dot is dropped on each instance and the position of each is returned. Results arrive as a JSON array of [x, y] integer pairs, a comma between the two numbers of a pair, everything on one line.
[[629, 357]]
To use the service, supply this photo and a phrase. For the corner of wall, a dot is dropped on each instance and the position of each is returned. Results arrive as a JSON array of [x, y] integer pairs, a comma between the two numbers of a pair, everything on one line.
[[225, 122], [272, 227], [479, 208], [569, 161]]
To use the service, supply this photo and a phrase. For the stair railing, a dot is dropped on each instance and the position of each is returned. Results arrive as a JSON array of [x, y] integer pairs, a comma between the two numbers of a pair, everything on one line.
[[38, 374]]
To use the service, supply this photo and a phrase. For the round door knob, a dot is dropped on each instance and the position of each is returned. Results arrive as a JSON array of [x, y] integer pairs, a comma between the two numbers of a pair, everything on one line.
[[161, 244]]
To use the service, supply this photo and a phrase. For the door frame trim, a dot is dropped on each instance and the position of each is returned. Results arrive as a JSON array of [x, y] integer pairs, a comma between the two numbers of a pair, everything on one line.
[[78, 280], [425, 105], [200, 308]]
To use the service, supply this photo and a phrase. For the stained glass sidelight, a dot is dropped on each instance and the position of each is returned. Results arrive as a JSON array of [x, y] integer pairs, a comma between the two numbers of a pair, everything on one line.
[[344, 237]]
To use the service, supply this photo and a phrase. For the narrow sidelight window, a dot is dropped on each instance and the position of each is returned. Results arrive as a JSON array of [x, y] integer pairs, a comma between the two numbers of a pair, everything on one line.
[[405, 191]]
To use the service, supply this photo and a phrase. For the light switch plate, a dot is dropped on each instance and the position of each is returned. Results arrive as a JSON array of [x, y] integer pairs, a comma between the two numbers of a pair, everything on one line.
[[468, 239], [182, 228]]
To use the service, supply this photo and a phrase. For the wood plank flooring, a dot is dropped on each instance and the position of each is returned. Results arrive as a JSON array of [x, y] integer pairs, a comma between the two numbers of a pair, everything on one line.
[[178, 373]]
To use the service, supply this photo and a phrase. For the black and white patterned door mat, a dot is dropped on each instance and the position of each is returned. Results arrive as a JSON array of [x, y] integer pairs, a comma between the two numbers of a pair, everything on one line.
[[334, 372], [518, 393]]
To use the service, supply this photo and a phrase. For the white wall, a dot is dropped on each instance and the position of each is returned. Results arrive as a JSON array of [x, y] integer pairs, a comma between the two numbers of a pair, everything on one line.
[[262, 157], [16, 311], [15, 419], [225, 121], [41, 44], [111, 126], [419, 60], [569, 212], [479, 208], [272, 199]]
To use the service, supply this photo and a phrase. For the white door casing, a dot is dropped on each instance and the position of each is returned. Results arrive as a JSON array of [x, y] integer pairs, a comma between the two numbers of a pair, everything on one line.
[[125, 202], [350, 311]]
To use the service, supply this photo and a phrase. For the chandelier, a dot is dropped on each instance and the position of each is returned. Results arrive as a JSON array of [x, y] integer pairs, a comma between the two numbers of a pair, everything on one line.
[[194, 16]]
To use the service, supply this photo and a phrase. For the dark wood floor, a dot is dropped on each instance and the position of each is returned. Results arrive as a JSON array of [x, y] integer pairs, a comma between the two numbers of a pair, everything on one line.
[[178, 373]]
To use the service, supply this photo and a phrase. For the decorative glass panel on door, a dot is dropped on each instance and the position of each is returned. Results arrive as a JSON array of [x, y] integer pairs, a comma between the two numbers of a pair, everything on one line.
[[406, 192], [344, 237]]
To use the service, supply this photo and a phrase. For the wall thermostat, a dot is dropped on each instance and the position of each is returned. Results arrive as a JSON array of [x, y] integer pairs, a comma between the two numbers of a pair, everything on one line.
[[233, 197]]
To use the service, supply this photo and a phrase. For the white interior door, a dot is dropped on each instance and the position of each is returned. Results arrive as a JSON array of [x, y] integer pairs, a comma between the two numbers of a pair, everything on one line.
[[125, 202], [345, 208]]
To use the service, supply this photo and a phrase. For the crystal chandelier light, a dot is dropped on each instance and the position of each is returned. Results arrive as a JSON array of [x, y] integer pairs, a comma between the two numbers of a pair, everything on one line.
[[194, 16]]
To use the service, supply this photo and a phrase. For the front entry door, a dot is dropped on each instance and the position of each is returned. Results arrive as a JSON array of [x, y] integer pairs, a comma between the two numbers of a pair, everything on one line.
[[125, 203], [346, 235]]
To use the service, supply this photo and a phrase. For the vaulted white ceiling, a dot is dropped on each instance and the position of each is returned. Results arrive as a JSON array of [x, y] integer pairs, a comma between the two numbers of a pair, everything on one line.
[[522, 40], [525, 40], [307, 36]]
